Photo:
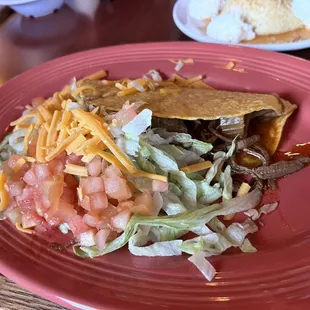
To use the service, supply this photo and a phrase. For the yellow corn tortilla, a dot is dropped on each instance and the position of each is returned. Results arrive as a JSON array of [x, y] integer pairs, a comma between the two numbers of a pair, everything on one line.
[[192, 104], [205, 104]]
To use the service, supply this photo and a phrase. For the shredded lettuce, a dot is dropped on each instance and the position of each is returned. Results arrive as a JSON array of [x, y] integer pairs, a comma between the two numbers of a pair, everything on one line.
[[188, 187], [165, 162], [175, 189], [6, 151], [128, 146], [159, 136], [161, 248], [198, 259], [172, 204], [182, 156], [139, 123], [166, 234], [226, 183]]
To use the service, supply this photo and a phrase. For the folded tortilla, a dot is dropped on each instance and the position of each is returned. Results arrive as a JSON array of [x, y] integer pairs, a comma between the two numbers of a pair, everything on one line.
[[205, 104]]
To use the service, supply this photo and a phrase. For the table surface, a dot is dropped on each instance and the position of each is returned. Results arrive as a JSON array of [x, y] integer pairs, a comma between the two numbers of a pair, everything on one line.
[[25, 43]]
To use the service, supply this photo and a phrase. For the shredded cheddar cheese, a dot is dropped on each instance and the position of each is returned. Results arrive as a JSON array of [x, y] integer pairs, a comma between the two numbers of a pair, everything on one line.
[[2, 180], [24, 230], [96, 76], [110, 158], [41, 143], [80, 139], [197, 167], [81, 88], [243, 190], [62, 146], [24, 118], [94, 141], [88, 158], [18, 164], [165, 91], [100, 131], [52, 131], [144, 174], [126, 92], [79, 193], [4, 195], [46, 114], [76, 170]]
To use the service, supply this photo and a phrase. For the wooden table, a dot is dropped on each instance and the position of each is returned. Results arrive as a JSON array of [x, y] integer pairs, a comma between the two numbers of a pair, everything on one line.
[[25, 43]]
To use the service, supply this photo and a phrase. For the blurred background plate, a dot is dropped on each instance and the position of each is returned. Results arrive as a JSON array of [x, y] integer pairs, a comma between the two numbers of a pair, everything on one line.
[[180, 18]]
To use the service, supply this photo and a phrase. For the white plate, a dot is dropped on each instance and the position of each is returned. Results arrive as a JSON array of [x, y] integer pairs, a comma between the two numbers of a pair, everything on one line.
[[180, 18], [15, 2]]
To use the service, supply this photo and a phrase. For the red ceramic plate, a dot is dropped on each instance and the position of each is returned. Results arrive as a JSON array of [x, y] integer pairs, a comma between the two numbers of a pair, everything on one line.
[[276, 277]]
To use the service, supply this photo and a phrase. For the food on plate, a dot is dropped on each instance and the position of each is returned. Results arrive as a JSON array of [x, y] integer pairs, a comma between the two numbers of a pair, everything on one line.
[[236, 21], [144, 162]]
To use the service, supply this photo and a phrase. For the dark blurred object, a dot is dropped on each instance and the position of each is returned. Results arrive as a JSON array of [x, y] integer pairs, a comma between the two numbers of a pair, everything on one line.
[[5, 12]]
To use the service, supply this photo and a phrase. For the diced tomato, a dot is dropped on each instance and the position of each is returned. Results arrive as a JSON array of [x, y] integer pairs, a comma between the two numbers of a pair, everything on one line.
[[85, 203], [91, 220], [13, 159], [92, 185], [117, 188], [16, 188], [104, 165], [29, 193], [31, 219], [69, 195], [143, 204], [98, 201], [30, 177], [126, 114], [112, 171], [40, 208], [32, 148], [62, 157], [77, 225], [120, 221], [159, 186], [62, 212], [103, 223], [71, 181], [42, 172], [94, 167], [87, 238], [56, 166], [74, 159], [109, 211], [125, 205], [101, 238], [52, 188]]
